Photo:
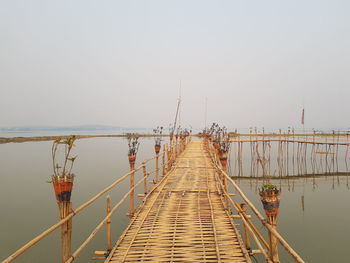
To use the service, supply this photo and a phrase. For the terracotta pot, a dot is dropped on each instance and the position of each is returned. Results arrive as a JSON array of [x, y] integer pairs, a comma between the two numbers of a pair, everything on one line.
[[132, 159], [63, 186], [216, 145], [271, 202], [223, 158], [157, 148]]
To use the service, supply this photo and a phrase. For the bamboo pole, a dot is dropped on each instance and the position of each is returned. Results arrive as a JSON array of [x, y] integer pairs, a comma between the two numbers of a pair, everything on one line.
[[163, 162], [246, 232], [157, 167], [66, 230], [108, 224], [132, 183], [144, 178]]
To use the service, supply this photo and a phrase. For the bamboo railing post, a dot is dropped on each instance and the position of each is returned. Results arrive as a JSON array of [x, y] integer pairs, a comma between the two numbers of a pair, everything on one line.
[[157, 150], [63, 186], [144, 178], [246, 231], [66, 231], [173, 151], [157, 167], [108, 224], [163, 162], [169, 153], [132, 159], [223, 161]]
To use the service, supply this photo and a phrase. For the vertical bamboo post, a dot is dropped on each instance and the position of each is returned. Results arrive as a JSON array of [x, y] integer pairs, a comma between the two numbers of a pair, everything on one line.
[[132, 159], [176, 146], [168, 151], [108, 224], [144, 178], [66, 231], [173, 148], [169, 157], [273, 241], [223, 161], [163, 162], [63, 187], [157, 150], [246, 232], [157, 167]]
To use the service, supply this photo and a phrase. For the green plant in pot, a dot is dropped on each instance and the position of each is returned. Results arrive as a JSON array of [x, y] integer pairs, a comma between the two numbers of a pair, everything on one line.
[[270, 198], [62, 178]]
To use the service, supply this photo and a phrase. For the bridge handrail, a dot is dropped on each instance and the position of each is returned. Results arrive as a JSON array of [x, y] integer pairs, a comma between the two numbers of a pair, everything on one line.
[[45, 233], [282, 241]]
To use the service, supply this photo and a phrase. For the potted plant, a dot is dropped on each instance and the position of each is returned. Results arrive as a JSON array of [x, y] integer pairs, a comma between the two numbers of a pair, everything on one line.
[[133, 145], [62, 178], [270, 198], [224, 146], [158, 138]]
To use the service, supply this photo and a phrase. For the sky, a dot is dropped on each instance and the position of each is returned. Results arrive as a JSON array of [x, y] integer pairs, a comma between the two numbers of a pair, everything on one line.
[[256, 63]]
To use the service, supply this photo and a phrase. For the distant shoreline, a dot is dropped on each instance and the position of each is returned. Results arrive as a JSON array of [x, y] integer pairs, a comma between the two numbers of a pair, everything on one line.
[[4, 140]]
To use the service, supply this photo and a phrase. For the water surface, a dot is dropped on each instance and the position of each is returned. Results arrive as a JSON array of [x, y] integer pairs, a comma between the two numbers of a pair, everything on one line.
[[317, 230]]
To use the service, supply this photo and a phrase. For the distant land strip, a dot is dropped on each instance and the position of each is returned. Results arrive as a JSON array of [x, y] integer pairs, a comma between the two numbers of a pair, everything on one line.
[[51, 138]]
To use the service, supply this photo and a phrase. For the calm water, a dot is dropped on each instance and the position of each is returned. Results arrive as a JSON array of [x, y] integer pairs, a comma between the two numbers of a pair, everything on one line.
[[318, 231]]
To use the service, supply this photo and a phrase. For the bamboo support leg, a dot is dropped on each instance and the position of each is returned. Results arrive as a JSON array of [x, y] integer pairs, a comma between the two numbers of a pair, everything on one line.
[[246, 231], [144, 178], [132, 192], [273, 241], [108, 223], [163, 162], [157, 167], [66, 230]]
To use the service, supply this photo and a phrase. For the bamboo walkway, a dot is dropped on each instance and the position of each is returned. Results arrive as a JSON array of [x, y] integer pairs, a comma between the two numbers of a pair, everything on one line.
[[183, 219]]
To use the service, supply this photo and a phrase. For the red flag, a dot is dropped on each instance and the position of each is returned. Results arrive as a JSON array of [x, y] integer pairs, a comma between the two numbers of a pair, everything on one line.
[[302, 117]]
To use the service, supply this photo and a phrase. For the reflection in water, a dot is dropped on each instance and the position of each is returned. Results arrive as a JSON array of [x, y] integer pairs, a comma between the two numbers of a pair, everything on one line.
[[288, 158], [313, 214]]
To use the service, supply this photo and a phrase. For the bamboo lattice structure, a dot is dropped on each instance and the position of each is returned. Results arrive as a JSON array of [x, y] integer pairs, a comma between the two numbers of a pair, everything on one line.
[[184, 219]]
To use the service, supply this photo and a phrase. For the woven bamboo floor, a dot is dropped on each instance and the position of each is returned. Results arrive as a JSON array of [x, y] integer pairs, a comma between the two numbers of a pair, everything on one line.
[[183, 219]]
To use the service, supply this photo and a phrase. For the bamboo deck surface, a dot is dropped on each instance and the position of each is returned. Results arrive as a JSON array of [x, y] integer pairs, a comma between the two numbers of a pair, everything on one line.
[[183, 219]]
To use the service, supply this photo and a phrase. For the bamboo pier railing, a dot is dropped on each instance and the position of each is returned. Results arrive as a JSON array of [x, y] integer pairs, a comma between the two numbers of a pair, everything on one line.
[[246, 221]]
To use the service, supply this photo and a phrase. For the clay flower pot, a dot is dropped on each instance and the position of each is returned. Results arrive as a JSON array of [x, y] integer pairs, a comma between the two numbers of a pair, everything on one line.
[[157, 148], [223, 158], [132, 159], [63, 186], [216, 145], [271, 202]]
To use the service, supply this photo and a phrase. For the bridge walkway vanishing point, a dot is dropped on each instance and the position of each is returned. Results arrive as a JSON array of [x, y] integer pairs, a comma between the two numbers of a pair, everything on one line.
[[183, 219]]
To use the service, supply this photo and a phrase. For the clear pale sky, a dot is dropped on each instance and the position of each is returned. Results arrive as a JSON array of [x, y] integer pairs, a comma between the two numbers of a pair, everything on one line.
[[120, 62]]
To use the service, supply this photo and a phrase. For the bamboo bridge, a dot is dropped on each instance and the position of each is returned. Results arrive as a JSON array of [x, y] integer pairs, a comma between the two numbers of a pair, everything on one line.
[[188, 215], [184, 219]]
